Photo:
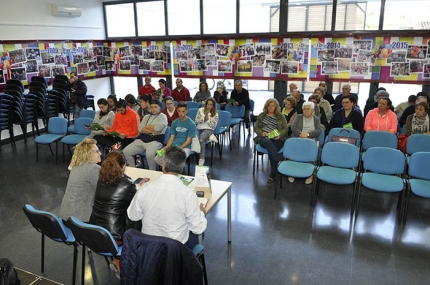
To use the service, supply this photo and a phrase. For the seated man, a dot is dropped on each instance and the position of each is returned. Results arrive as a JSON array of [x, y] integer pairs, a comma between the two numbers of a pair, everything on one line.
[[166, 206], [152, 128], [125, 124], [182, 132]]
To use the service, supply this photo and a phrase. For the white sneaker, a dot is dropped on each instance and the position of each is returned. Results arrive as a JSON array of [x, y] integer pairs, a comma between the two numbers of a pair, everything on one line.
[[234, 129], [213, 138], [201, 161]]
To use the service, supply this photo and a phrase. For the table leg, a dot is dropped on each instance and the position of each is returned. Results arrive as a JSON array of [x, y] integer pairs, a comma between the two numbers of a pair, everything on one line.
[[229, 214]]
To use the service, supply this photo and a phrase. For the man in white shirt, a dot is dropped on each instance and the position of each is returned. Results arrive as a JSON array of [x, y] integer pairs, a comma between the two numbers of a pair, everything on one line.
[[166, 206]]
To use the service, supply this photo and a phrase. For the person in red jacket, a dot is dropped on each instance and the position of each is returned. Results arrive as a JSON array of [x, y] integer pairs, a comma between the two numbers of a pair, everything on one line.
[[125, 124], [170, 110], [147, 88], [180, 93]]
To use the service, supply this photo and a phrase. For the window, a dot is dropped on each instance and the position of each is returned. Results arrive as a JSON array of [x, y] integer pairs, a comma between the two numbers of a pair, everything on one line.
[[358, 15], [413, 15], [219, 17], [124, 86], [259, 16], [310, 16], [183, 17], [150, 18], [126, 27]]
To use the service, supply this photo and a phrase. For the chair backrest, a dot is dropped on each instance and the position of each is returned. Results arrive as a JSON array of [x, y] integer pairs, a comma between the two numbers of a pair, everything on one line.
[[379, 138], [192, 113], [96, 238], [417, 143], [87, 113], [321, 138], [57, 125], [345, 132], [419, 165], [340, 155], [224, 118], [236, 111], [384, 160], [218, 106], [300, 149], [47, 224], [166, 135], [251, 104], [192, 105], [80, 123]]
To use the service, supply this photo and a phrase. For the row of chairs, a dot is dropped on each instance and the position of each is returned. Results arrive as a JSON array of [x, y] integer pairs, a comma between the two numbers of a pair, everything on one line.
[[75, 232]]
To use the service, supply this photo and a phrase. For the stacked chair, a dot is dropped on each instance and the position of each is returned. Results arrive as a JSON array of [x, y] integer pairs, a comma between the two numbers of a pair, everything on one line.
[[5, 114], [37, 88], [59, 88], [15, 89]]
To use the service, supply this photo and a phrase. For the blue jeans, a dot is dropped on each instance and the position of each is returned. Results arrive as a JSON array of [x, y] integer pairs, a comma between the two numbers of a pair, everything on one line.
[[203, 138], [272, 146]]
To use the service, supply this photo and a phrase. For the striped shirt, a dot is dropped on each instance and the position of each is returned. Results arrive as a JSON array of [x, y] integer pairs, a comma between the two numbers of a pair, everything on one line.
[[269, 124]]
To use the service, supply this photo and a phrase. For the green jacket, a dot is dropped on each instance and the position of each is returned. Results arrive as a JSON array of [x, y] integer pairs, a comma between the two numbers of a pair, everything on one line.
[[280, 121]]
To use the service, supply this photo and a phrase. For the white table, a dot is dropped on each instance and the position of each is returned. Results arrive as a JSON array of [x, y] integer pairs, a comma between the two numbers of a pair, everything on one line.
[[219, 189]]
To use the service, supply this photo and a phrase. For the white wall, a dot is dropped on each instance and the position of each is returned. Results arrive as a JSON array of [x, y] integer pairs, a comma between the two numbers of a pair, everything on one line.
[[32, 20]]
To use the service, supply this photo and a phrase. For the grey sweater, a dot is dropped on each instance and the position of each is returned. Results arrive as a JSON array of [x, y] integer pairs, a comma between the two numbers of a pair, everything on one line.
[[202, 96]]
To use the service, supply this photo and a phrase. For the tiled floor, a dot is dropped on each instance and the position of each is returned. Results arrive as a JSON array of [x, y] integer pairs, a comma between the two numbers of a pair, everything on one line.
[[283, 241]]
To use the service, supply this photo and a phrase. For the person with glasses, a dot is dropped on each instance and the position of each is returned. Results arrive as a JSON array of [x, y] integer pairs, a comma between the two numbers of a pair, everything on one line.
[[81, 186], [306, 125], [346, 90], [170, 110]]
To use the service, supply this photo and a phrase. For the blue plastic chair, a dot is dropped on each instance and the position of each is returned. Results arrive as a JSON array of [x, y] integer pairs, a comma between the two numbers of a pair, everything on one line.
[[83, 114], [339, 166], [259, 150], [301, 156], [418, 143], [96, 238], [57, 129], [237, 114], [419, 181], [80, 133], [53, 227], [383, 171], [351, 133], [192, 105], [192, 113], [224, 118], [380, 139]]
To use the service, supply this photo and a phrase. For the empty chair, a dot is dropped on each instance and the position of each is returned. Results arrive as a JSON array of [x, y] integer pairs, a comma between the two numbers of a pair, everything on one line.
[[383, 171], [191, 105], [237, 114], [57, 128], [192, 113], [90, 102], [344, 135], [224, 118], [419, 178], [83, 114], [418, 143], [80, 133], [96, 238], [301, 156], [53, 227], [339, 166]]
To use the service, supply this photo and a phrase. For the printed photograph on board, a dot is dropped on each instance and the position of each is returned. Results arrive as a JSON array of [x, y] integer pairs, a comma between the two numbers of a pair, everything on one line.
[[400, 69], [31, 66], [225, 65], [110, 65], [194, 53], [289, 67], [161, 55], [124, 51], [329, 67], [279, 53], [18, 73], [44, 70], [93, 66], [208, 49], [181, 55], [222, 50], [107, 52], [97, 51], [417, 65], [258, 60], [124, 64], [185, 65], [359, 68], [77, 58], [263, 49], [47, 58], [157, 66], [100, 60], [144, 64], [61, 59], [343, 52], [273, 66], [416, 52], [148, 54], [58, 70], [246, 50], [199, 65], [211, 60], [17, 56], [344, 64], [426, 72], [397, 56], [244, 66], [366, 56], [325, 55], [361, 44], [134, 59], [82, 68], [136, 50], [33, 53], [88, 55]]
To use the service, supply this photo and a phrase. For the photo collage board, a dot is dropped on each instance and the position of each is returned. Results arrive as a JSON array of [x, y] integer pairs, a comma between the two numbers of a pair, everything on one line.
[[281, 58], [87, 59], [382, 59]]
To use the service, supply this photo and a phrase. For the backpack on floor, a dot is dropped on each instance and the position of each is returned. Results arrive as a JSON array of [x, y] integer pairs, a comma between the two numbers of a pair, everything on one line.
[[8, 275]]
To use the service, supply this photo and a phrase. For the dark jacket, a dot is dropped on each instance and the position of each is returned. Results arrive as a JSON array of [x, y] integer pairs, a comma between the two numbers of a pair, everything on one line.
[[220, 98], [153, 260], [110, 206], [242, 98], [281, 123], [355, 118], [338, 101], [80, 92]]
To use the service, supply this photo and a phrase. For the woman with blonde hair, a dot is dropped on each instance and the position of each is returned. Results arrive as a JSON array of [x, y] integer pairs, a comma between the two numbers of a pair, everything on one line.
[[206, 120], [81, 186], [272, 131]]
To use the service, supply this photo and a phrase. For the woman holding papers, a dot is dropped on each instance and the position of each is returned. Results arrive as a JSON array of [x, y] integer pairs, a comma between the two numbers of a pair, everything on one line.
[[104, 117], [272, 130]]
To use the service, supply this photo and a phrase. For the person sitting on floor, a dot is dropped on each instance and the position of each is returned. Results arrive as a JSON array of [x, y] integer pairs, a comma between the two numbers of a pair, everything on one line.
[[271, 120], [166, 206]]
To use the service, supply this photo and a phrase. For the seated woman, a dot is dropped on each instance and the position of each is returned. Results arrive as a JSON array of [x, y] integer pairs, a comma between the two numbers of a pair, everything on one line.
[[112, 102], [272, 131], [289, 111], [323, 102], [163, 91], [319, 111], [170, 110], [220, 94], [381, 118], [81, 186], [202, 94], [419, 122], [114, 192], [206, 120], [306, 125], [104, 117], [348, 116]]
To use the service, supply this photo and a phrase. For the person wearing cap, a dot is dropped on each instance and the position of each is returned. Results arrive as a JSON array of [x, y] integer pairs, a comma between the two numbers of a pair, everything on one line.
[[220, 94], [381, 118], [378, 96], [180, 93], [151, 137], [306, 125], [147, 88], [402, 106]]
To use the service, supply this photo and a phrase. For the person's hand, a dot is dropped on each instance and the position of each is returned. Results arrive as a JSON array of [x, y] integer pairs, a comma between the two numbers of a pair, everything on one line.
[[88, 128], [105, 127], [122, 136], [264, 134], [202, 208], [105, 133], [236, 104], [277, 138], [304, 134]]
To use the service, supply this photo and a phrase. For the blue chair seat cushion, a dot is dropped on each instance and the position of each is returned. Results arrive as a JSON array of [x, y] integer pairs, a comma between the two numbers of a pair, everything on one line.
[[335, 175], [110, 254], [47, 138], [382, 182], [420, 187], [73, 139], [296, 169]]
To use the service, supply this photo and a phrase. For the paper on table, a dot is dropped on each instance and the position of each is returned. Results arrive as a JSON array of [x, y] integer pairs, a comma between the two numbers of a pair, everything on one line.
[[203, 201]]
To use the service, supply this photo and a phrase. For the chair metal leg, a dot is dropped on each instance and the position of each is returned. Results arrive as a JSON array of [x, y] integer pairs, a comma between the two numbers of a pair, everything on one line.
[[56, 152], [253, 165], [75, 259], [50, 148], [202, 261], [83, 266], [42, 261]]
